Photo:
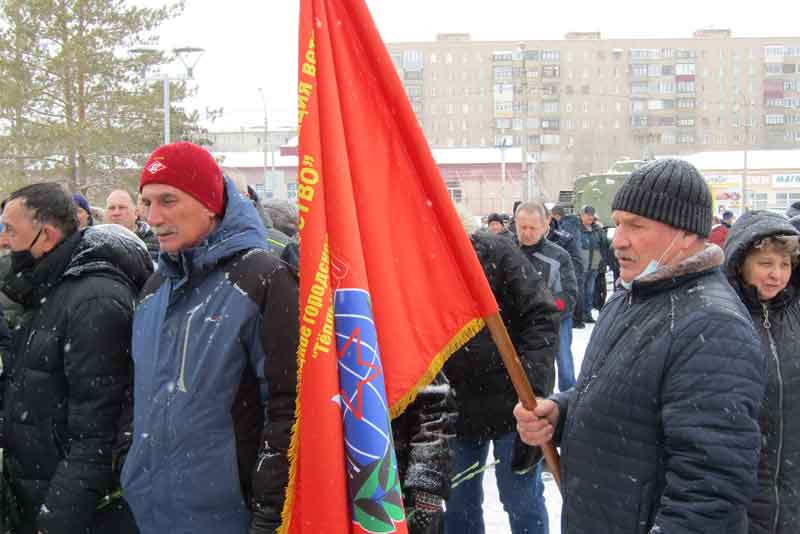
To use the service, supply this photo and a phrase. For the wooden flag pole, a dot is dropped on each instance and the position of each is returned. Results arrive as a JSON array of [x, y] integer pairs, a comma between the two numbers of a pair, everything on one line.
[[521, 384]]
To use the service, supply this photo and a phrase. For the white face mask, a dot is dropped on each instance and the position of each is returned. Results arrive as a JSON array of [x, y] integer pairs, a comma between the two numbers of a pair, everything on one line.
[[652, 266]]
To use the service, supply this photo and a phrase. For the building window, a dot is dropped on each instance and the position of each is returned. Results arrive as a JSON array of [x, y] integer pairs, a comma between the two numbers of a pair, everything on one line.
[[532, 123], [502, 73], [773, 68], [638, 70], [756, 200], [551, 55], [684, 69], [773, 119], [551, 139], [550, 107], [686, 103], [291, 190], [550, 124], [434, 58], [686, 139], [685, 87], [654, 70], [551, 71], [686, 122], [456, 193], [782, 200]]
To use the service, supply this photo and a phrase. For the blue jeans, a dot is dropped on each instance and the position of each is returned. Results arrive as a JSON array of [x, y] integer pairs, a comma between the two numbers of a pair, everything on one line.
[[566, 369], [522, 495], [589, 278]]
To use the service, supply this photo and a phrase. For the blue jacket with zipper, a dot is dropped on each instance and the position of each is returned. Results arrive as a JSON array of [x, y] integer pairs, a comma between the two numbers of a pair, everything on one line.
[[214, 340]]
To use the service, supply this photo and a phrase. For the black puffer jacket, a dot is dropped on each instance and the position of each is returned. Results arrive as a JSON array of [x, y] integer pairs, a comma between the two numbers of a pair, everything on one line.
[[71, 366], [147, 235], [484, 393], [660, 433], [776, 506]]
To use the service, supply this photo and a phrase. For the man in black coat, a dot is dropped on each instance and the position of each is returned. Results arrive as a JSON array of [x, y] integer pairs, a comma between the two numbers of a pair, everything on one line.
[[485, 396], [660, 434], [121, 210], [555, 266], [71, 362]]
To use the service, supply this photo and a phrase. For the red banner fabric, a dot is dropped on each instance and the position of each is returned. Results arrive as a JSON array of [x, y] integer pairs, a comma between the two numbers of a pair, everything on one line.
[[389, 283]]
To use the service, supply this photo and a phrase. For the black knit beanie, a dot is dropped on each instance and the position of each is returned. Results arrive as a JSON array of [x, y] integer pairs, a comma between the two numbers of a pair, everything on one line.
[[671, 191]]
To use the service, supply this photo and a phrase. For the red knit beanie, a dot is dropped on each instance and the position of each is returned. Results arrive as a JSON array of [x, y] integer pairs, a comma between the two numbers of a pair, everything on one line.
[[189, 168]]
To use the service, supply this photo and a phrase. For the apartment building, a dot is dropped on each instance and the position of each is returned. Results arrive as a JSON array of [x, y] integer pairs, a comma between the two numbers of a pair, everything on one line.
[[577, 105]]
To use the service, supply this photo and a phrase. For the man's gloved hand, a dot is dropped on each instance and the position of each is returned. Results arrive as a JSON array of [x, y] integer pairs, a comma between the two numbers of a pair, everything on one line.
[[426, 515]]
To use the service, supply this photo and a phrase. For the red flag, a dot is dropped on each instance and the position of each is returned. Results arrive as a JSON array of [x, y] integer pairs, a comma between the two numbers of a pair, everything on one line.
[[390, 285]]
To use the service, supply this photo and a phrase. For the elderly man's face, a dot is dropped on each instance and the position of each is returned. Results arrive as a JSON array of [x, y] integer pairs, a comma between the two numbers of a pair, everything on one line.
[[120, 210], [531, 227], [638, 241], [179, 220]]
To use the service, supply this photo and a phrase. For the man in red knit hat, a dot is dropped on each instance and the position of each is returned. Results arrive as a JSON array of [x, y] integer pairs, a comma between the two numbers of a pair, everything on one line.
[[214, 341]]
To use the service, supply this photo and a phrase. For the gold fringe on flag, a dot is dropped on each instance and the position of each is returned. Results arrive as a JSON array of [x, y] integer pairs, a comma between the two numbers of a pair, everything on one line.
[[459, 340]]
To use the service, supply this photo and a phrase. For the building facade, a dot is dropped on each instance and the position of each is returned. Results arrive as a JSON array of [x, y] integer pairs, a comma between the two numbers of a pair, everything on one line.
[[577, 105]]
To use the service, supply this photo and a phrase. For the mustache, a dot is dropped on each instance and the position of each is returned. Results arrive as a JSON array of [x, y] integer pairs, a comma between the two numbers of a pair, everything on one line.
[[163, 230], [623, 256]]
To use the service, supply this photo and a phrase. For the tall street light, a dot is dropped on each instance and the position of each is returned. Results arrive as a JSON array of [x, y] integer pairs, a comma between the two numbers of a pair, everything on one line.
[[189, 56], [268, 185]]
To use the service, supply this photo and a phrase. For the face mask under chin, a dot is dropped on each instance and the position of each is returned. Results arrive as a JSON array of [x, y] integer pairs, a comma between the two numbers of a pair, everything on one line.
[[651, 267]]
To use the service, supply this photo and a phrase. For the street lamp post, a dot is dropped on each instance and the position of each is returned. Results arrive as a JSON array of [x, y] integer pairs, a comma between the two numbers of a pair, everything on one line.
[[189, 56], [503, 175], [268, 185]]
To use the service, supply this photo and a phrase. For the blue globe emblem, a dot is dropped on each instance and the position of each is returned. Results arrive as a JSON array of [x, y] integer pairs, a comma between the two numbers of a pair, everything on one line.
[[373, 482]]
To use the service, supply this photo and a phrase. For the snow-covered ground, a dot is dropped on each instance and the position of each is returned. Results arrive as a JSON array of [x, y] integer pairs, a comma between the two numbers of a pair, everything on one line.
[[494, 516]]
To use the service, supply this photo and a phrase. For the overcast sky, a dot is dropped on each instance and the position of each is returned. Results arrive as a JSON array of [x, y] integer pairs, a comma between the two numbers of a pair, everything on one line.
[[253, 43]]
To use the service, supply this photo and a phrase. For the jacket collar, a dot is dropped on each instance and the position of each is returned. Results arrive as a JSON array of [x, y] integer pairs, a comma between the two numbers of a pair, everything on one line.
[[667, 277]]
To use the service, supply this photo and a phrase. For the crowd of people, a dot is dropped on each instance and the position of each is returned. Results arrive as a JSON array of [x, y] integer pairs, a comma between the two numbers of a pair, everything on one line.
[[149, 366]]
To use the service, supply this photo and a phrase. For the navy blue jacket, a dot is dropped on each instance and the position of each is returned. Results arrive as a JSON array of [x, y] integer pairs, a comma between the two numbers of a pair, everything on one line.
[[660, 434], [214, 341]]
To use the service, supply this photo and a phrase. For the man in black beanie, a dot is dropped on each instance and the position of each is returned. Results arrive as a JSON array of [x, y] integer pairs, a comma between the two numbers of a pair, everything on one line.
[[660, 434]]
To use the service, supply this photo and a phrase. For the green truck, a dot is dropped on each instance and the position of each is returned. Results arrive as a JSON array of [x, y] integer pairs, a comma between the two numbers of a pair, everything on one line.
[[598, 190]]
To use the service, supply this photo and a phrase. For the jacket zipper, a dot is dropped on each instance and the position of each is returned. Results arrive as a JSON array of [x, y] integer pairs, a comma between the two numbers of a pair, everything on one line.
[[182, 372], [774, 350]]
